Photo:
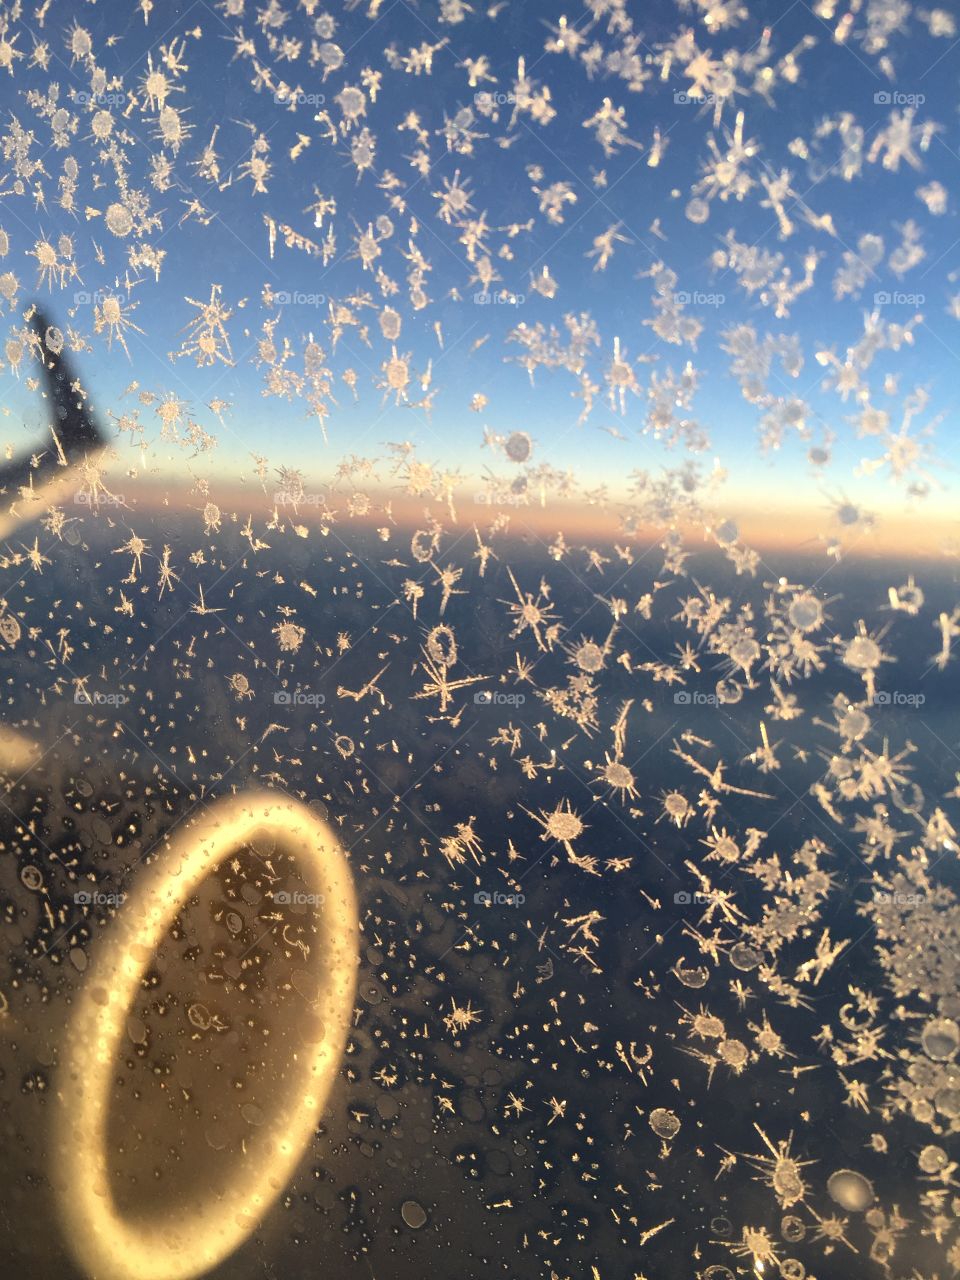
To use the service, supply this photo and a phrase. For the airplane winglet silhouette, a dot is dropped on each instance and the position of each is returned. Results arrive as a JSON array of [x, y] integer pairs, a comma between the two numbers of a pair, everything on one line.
[[77, 434], [76, 427]]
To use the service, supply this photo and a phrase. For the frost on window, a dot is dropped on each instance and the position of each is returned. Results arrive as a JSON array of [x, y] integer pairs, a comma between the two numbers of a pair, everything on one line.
[[480, 632]]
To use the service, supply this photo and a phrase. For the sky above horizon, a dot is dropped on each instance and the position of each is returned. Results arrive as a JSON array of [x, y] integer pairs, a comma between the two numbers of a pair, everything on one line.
[[347, 238]]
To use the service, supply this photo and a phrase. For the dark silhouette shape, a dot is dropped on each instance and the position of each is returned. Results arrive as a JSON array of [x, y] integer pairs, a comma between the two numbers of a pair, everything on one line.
[[76, 430]]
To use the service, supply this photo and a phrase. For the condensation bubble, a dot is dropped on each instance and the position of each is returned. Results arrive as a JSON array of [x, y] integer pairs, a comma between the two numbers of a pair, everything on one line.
[[708, 1026], [441, 645], [101, 126], [677, 806], [9, 629], [854, 723], [53, 339], [862, 653], [423, 544], [729, 692], [908, 597], [136, 1029], [743, 957], [664, 1123], [518, 447], [119, 220], [589, 656], [199, 1016], [217, 1136], [697, 210], [932, 1159], [390, 324], [850, 1190], [734, 1053], [745, 652], [792, 1229], [413, 1214], [352, 102], [331, 56], [691, 976], [253, 1114], [727, 532], [111, 310], [805, 613], [80, 43], [940, 1039]]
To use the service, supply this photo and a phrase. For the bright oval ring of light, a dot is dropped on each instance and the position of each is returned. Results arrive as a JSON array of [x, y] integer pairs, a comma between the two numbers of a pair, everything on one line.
[[108, 1246]]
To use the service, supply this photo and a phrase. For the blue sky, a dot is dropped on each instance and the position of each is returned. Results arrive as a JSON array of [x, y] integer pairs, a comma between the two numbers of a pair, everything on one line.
[[232, 251]]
